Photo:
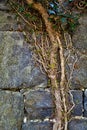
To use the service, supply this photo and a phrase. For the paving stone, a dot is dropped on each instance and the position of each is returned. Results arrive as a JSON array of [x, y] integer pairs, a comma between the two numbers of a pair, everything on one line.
[[38, 104], [78, 101], [78, 124], [37, 126], [11, 110]]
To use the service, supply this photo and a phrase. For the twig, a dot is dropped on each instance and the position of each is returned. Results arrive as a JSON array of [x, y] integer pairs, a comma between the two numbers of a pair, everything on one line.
[[22, 17]]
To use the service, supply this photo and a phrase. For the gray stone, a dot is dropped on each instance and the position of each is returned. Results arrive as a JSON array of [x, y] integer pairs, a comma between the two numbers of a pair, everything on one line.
[[4, 5], [85, 103], [76, 71], [8, 22], [37, 126], [79, 76], [78, 102], [11, 110], [38, 104], [76, 68], [3, 1], [78, 124], [80, 36], [17, 68]]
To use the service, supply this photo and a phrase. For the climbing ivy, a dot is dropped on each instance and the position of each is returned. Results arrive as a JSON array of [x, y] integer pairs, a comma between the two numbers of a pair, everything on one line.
[[63, 14]]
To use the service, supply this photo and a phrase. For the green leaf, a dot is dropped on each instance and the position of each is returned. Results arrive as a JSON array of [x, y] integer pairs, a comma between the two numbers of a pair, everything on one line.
[[21, 9], [27, 15], [63, 20]]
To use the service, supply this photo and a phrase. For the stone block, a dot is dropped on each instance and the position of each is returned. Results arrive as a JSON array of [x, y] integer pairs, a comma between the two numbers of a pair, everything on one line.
[[85, 103], [79, 74], [11, 110], [79, 38], [37, 126], [38, 104], [77, 58], [3, 1], [4, 6], [77, 96], [17, 67], [8, 22], [78, 124]]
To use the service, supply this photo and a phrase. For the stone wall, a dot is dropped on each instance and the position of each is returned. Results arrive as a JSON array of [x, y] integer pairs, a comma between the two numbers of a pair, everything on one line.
[[77, 75], [25, 100]]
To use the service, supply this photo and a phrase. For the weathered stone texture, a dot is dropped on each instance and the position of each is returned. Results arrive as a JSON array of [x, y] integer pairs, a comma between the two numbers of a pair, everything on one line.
[[11, 110], [76, 71], [37, 126], [17, 68], [77, 96], [3, 1], [78, 124], [85, 103], [38, 104], [8, 22], [19, 73], [80, 35], [79, 76], [76, 68]]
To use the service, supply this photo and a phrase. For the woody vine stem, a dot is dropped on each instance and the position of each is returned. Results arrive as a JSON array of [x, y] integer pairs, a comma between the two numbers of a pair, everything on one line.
[[58, 89], [51, 67]]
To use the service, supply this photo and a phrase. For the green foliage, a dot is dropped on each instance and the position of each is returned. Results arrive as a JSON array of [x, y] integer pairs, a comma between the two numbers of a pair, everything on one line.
[[63, 15], [73, 23], [27, 15], [21, 9], [63, 20], [58, 14]]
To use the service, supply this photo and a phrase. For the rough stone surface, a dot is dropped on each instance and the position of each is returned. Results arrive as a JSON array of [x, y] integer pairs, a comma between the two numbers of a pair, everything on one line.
[[17, 69], [11, 110], [78, 124], [80, 35], [78, 101], [8, 22], [76, 54], [3, 1], [38, 104], [3, 7], [38, 126], [23, 96], [79, 77], [85, 103], [76, 71]]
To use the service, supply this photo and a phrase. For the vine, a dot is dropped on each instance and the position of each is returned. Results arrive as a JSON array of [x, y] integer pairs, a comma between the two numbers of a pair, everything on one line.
[[57, 13]]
